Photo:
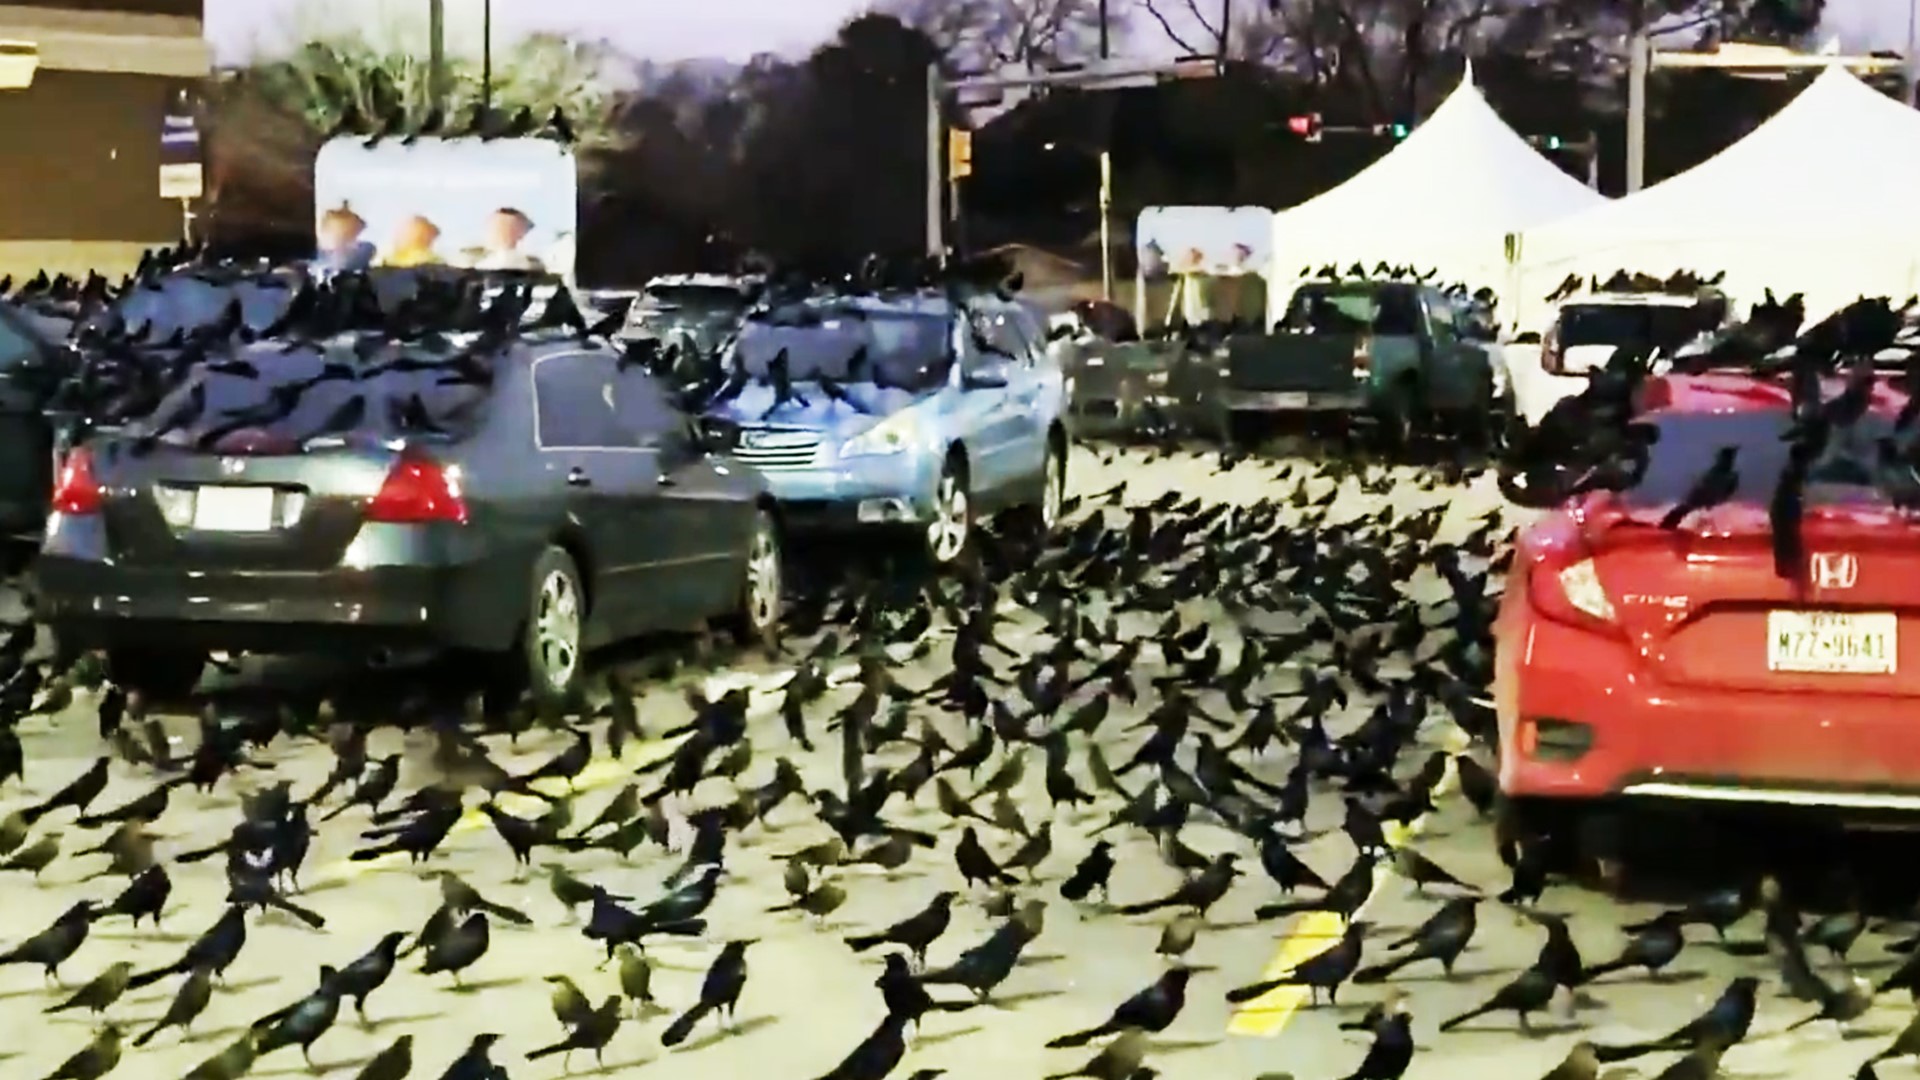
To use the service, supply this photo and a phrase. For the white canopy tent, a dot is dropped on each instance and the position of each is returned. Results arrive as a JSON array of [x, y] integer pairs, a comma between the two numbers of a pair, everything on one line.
[[1819, 199], [1444, 199]]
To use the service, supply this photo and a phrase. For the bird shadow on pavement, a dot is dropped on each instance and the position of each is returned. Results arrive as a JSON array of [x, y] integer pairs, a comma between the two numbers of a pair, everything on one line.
[[745, 1027], [141, 935], [474, 986], [1039, 960], [1175, 1046], [948, 1036], [610, 1067], [1671, 978], [1012, 1000], [238, 986], [1460, 975], [321, 1067], [379, 1022], [280, 919]]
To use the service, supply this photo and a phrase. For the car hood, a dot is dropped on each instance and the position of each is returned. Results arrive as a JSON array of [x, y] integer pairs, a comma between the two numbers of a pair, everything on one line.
[[865, 406]]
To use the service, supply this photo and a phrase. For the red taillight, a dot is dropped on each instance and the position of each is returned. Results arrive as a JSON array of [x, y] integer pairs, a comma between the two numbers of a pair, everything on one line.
[[1553, 360], [1569, 592], [1362, 356], [76, 491], [417, 490]]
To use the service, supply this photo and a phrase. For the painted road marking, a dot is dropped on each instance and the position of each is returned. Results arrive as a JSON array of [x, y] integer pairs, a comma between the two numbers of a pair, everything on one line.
[[1317, 931], [766, 688]]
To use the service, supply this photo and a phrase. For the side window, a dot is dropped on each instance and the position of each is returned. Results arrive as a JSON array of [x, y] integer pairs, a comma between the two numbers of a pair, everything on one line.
[[573, 400], [15, 346], [645, 411], [1440, 318]]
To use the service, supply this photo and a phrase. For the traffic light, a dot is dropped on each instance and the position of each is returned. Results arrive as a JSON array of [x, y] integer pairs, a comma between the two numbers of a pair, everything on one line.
[[1398, 131], [1551, 142], [1305, 125], [959, 153]]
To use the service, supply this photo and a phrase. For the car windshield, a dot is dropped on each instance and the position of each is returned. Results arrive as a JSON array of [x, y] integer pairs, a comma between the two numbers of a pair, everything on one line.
[[907, 350], [1846, 472], [321, 399], [1665, 327]]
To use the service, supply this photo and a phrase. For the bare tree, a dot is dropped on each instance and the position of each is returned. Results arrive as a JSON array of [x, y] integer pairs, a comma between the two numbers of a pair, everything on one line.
[[987, 34]]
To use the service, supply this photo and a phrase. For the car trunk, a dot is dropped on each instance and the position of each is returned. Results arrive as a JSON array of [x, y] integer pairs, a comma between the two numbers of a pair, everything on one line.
[[1706, 608], [252, 506]]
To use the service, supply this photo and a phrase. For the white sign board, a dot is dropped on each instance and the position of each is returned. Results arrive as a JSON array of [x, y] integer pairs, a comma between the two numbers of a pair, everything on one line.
[[1224, 241], [186, 181]]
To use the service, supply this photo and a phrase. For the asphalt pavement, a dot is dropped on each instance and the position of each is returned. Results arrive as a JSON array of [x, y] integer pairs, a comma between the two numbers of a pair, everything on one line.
[[809, 998]]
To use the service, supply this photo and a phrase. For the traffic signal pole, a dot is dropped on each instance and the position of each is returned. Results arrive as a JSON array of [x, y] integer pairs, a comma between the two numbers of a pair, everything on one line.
[[1101, 76]]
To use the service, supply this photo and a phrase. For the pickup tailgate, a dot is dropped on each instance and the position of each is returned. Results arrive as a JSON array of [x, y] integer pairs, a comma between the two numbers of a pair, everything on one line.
[[1312, 363]]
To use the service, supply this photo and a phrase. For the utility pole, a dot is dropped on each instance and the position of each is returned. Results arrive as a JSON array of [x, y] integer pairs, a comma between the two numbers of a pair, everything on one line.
[[1106, 44], [1639, 58], [486, 57], [436, 53], [936, 149]]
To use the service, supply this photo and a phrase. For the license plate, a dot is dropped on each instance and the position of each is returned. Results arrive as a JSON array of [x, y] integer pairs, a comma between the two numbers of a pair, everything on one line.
[[233, 509], [1289, 401], [1850, 643]]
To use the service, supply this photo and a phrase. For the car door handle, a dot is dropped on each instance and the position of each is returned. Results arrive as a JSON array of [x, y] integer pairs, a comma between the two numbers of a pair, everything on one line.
[[577, 477]]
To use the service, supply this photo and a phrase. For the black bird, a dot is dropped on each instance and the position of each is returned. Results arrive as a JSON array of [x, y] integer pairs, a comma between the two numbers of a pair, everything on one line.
[[1152, 1009], [78, 794], [1711, 488], [595, 1030], [1443, 937], [976, 866], [1726, 1022], [216, 949], [1656, 945], [719, 992], [304, 1023], [915, 932], [476, 1061], [1199, 892], [369, 972], [53, 946], [189, 1001], [1529, 992], [1322, 971], [459, 948], [1390, 1053], [1091, 873], [876, 1055]]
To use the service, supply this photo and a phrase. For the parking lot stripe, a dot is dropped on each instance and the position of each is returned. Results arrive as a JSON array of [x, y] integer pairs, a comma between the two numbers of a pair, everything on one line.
[[1317, 931]]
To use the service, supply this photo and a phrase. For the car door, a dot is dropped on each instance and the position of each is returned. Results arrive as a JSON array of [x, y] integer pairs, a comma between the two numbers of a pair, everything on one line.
[[991, 419], [706, 514], [612, 483], [1445, 374], [1029, 389], [26, 436]]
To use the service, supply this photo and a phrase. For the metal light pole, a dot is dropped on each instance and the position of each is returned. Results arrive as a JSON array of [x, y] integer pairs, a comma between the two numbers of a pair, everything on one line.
[[1092, 77], [436, 53], [1639, 53], [1912, 68], [486, 57], [1106, 45]]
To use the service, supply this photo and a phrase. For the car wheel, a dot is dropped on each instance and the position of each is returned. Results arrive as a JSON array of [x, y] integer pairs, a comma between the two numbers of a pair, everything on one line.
[[550, 646], [163, 674], [763, 590], [1393, 424], [951, 530], [1039, 519]]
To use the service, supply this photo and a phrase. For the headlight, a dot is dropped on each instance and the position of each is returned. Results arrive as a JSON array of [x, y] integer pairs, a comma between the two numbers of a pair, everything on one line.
[[889, 436], [1156, 379]]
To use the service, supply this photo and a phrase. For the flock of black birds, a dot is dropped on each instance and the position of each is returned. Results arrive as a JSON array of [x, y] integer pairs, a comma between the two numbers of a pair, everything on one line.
[[1149, 723]]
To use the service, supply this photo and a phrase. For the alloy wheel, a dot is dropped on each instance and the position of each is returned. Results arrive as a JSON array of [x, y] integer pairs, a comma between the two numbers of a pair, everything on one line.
[[763, 578], [947, 532], [1051, 498], [556, 628]]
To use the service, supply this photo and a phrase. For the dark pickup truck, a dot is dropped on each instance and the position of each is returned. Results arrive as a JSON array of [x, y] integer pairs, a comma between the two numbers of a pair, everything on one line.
[[1395, 355]]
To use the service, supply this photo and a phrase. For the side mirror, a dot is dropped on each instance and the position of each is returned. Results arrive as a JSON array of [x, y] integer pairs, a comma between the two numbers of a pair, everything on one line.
[[986, 378]]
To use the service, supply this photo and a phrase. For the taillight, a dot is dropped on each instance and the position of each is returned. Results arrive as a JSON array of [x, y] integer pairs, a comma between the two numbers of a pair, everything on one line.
[[76, 491], [1572, 594], [419, 490], [1362, 357], [1553, 359]]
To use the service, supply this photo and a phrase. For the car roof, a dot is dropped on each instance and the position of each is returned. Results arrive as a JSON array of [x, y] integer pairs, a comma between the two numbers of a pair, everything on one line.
[[904, 302], [710, 281], [1728, 391]]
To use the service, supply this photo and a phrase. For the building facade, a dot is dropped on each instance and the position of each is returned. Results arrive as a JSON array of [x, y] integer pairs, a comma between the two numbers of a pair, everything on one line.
[[80, 143]]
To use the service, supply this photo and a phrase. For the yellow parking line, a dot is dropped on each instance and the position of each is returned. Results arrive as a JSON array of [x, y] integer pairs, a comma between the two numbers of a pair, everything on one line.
[[1317, 931]]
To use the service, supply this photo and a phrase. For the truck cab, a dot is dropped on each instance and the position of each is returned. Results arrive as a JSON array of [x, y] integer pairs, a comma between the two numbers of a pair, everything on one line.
[[911, 412], [1392, 354]]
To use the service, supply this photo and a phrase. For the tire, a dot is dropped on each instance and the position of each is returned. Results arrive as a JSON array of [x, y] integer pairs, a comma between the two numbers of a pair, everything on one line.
[[1393, 423], [949, 535], [755, 622], [160, 674], [1243, 431], [1037, 521], [550, 656]]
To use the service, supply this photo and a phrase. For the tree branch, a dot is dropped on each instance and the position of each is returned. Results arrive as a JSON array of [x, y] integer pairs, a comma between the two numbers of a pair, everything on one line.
[[1167, 27]]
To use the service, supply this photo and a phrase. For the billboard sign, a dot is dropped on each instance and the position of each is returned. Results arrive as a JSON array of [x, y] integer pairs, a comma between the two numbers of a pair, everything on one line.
[[501, 204], [1222, 241]]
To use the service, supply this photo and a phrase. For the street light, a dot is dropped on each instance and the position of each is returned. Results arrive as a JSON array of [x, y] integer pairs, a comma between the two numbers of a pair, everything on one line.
[[1100, 76], [1753, 59]]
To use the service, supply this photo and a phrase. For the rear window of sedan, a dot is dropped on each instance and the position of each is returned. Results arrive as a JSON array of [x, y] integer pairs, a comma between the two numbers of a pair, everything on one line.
[[1848, 471], [393, 401], [1660, 326]]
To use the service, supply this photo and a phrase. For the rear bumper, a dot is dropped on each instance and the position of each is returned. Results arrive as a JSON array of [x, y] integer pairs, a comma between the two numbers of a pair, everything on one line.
[[1281, 401], [477, 606], [1649, 740]]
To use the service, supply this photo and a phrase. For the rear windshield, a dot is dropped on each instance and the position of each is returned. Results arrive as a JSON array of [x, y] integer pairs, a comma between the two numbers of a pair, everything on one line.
[[697, 297], [910, 350], [1665, 327], [1352, 309], [1846, 472], [320, 397]]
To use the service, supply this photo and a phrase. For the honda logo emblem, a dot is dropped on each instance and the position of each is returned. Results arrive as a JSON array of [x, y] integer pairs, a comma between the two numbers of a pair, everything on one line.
[[1831, 571]]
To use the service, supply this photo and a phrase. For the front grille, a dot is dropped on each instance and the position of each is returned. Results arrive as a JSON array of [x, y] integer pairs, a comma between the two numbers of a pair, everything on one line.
[[797, 449]]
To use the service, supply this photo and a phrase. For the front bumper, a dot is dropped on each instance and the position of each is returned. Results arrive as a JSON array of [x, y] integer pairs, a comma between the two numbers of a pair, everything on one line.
[[99, 605], [1582, 717], [889, 489]]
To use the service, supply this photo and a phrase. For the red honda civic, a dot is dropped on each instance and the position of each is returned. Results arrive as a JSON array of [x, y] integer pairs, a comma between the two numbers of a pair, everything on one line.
[[1636, 663]]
